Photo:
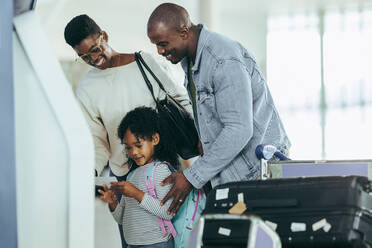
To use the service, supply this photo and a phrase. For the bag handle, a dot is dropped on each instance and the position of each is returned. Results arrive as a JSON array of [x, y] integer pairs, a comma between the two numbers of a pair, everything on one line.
[[139, 58], [140, 61]]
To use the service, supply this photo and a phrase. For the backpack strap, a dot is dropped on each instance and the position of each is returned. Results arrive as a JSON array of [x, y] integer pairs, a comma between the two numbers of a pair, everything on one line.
[[199, 197], [149, 173], [172, 169], [149, 181], [129, 175]]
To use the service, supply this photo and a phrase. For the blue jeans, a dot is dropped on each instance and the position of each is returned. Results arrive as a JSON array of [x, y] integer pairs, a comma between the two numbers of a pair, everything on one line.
[[168, 244], [122, 178]]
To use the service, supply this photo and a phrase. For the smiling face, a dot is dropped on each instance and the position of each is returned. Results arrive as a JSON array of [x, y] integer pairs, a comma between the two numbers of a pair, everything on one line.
[[170, 43], [95, 51], [139, 149]]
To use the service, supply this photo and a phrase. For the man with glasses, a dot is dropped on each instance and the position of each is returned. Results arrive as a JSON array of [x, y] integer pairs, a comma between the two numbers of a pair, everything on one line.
[[113, 87]]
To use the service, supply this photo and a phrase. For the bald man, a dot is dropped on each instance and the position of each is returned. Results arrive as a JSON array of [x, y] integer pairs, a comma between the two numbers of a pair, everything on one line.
[[233, 108]]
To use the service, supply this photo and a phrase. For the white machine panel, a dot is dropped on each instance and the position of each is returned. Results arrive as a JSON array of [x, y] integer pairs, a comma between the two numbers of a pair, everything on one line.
[[54, 148]]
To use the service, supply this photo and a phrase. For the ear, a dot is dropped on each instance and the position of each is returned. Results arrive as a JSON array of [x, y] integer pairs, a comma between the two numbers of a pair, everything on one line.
[[105, 35], [184, 33], [155, 139]]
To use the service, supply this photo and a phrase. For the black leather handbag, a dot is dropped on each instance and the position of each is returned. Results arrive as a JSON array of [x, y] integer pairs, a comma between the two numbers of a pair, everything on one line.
[[179, 123]]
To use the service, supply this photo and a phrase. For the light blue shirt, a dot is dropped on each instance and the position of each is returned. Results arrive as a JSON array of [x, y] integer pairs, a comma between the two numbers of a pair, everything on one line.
[[235, 112]]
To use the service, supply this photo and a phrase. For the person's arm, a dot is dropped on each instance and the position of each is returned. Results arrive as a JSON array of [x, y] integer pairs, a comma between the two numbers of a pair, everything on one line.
[[153, 205], [119, 211], [98, 131], [166, 76], [234, 104], [233, 97]]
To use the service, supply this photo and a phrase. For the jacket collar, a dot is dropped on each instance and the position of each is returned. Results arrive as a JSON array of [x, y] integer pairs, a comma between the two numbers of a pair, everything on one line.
[[202, 41]]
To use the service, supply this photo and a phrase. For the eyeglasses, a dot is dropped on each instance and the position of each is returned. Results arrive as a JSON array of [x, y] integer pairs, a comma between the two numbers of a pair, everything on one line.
[[94, 51]]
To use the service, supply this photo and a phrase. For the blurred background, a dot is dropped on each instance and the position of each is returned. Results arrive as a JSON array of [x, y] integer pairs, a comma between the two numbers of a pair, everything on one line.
[[316, 56]]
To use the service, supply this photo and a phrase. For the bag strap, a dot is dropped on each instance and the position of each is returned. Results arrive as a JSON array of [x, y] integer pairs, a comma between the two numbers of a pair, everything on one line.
[[199, 197], [149, 181], [139, 58], [140, 61], [129, 175], [150, 185]]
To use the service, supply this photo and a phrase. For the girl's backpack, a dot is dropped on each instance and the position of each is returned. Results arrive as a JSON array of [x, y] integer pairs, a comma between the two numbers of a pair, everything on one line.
[[187, 215]]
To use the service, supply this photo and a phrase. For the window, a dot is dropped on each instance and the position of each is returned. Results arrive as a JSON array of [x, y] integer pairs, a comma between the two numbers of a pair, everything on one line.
[[319, 68]]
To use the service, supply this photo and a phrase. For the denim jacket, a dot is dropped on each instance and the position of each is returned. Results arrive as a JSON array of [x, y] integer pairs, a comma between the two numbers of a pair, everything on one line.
[[235, 112]]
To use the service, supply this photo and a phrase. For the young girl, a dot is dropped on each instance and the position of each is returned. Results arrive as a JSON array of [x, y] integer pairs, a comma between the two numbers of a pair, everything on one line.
[[138, 212]]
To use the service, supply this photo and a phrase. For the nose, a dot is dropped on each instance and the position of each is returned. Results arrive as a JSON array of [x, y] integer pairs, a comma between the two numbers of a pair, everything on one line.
[[161, 50], [93, 57], [134, 152]]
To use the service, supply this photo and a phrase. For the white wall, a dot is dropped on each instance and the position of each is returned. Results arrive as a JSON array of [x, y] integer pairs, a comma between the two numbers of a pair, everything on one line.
[[124, 21]]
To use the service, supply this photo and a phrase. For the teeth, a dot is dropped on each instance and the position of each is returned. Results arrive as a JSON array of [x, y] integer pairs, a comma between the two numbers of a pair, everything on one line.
[[100, 61]]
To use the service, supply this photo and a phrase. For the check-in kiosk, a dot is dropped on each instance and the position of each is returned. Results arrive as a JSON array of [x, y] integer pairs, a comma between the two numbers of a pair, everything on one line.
[[53, 146]]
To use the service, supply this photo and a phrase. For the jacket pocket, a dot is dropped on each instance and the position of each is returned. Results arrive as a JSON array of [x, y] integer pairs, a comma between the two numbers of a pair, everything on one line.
[[206, 106]]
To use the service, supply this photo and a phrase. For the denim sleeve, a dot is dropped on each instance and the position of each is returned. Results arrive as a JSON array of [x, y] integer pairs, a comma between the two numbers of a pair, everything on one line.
[[233, 97]]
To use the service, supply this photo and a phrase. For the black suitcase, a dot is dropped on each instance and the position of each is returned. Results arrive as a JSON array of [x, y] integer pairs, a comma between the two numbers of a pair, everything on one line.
[[305, 212], [232, 231]]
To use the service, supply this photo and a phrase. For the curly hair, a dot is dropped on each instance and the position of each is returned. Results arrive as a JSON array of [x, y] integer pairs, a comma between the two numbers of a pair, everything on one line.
[[79, 28], [144, 122]]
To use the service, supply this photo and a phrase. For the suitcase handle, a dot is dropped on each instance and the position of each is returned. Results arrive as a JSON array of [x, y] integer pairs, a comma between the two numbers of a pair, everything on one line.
[[271, 203]]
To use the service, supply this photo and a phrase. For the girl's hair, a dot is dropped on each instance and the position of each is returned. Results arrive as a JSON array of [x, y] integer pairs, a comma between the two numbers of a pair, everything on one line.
[[144, 122]]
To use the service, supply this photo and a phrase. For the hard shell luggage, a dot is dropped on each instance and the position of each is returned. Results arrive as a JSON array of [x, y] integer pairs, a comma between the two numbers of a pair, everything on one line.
[[305, 212], [233, 231]]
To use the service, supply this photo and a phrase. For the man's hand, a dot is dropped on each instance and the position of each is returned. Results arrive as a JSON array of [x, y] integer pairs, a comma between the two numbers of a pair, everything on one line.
[[179, 191], [128, 189]]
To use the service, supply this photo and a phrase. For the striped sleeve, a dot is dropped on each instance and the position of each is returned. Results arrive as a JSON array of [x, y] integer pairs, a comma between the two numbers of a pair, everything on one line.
[[153, 205], [119, 212]]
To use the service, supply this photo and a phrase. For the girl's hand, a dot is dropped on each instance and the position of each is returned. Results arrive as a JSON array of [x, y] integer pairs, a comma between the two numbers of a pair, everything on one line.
[[109, 196], [128, 189]]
